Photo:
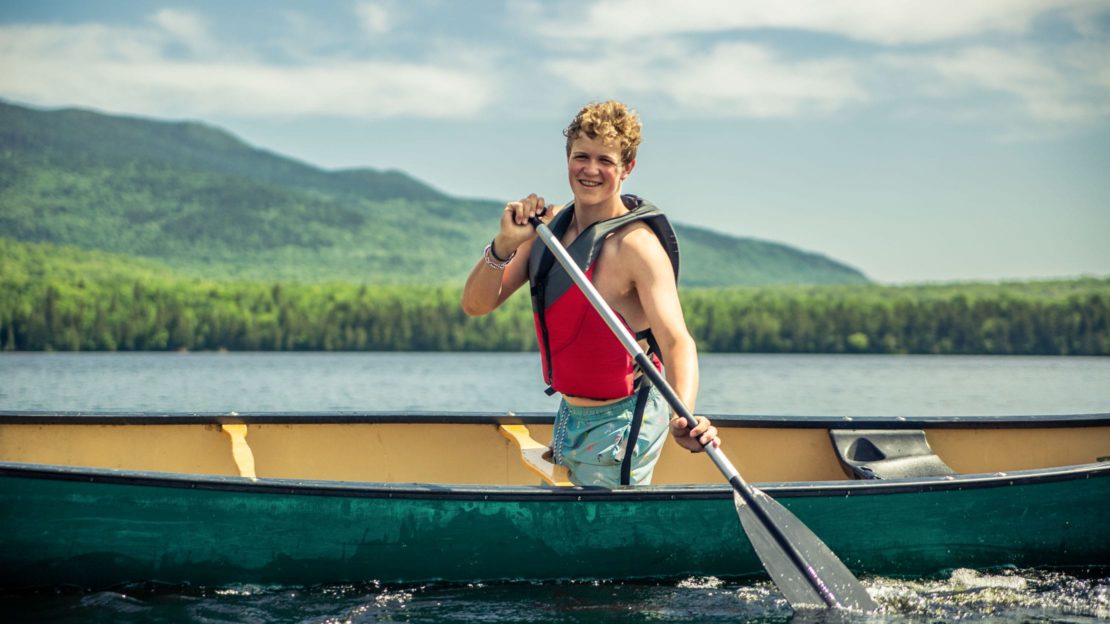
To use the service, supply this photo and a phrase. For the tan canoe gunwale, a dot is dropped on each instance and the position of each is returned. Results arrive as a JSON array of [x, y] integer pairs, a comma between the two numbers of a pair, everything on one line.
[[538, 418], [537, 493], [462, 449]]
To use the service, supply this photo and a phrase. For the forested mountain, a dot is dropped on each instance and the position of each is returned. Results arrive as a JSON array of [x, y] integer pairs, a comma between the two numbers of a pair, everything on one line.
[[200, 200], [66, 298]]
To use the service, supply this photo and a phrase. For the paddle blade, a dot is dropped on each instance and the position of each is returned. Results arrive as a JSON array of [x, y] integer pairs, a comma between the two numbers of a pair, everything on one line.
[[838, 582]]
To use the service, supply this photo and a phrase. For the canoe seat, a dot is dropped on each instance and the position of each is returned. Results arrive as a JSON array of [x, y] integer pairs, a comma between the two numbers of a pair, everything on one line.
[[887, 454], [536, 456], [240, 450]]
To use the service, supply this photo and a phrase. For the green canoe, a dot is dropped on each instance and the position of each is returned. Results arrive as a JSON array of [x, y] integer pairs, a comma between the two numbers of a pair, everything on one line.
[[101, 499]]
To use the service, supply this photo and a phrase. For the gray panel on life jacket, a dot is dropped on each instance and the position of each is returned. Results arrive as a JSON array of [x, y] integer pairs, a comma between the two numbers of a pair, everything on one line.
[[585, 248]]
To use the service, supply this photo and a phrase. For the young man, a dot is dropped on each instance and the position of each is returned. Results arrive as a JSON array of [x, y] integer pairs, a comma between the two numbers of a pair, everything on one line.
[[627, 249]]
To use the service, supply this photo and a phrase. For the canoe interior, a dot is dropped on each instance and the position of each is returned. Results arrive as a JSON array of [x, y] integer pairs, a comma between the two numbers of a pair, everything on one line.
[[472, 450]]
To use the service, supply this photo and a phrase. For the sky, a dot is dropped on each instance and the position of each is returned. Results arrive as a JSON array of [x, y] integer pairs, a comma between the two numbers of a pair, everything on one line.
[[915, 140]]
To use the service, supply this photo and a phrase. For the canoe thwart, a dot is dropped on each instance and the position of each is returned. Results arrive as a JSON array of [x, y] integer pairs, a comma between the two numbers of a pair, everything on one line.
[[536, 456], [887, 454], [240, 450]]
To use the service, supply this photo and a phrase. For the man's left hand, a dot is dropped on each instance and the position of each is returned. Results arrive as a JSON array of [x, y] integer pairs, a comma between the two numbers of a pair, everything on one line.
[[694, 440]]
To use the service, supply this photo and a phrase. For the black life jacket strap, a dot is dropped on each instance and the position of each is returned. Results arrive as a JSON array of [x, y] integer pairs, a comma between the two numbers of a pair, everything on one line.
[[643, 388], [653, 346], [634, 429], [539, 304]]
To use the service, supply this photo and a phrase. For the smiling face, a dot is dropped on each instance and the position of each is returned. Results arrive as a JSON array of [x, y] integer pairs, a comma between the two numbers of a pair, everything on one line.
[[595, 171], [601, 151]]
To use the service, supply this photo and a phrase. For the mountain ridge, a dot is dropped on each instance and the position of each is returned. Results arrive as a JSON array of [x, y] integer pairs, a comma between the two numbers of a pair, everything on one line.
[[204, 201]]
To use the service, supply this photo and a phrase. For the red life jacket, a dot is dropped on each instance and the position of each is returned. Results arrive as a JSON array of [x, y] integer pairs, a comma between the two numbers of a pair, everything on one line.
[[581, 356]]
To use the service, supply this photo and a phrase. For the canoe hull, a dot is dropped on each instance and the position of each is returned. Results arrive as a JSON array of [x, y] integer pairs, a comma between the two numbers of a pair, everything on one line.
[[95, 527]]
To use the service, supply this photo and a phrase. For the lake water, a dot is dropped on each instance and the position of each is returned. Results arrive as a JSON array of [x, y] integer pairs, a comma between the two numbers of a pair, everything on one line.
[[730, 384], [499, 382]]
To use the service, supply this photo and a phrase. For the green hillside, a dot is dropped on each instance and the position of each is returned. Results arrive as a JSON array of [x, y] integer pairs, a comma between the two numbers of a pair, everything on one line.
[[67, 298], [203, 202]]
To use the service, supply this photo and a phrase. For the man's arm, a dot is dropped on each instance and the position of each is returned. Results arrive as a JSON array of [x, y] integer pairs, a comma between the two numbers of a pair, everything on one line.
[[654, 282], [487, 287]]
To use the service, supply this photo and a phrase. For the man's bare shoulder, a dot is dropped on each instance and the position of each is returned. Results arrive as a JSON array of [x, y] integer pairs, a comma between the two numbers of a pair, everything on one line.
[[637, 240], [641, 254]]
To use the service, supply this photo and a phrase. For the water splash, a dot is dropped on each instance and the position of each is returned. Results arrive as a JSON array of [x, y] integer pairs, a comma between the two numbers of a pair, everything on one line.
[[701, 582], [1007, 594], [1010, 595]]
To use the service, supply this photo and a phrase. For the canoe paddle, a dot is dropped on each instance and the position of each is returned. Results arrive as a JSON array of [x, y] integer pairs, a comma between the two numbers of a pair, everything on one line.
[[804, 569]]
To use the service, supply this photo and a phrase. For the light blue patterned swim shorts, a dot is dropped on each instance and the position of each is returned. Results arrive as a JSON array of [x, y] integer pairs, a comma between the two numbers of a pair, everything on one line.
[[591, 441]]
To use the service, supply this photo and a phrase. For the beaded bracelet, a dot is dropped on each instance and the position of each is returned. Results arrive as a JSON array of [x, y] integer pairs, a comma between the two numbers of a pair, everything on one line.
[[493, 253], [493, 261]]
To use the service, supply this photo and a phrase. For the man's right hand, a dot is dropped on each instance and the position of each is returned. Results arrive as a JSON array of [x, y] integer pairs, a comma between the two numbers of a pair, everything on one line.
[[515, 226]]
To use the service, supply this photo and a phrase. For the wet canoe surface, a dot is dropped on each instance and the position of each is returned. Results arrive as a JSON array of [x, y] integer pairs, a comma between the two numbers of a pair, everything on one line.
[[96, 528]]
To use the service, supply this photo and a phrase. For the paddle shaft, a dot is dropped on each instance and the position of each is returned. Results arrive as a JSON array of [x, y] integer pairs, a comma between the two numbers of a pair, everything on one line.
[[745, 490]]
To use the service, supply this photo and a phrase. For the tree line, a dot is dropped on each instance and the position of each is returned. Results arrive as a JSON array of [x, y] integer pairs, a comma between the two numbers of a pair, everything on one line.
[[68, 312], [1050, 318]]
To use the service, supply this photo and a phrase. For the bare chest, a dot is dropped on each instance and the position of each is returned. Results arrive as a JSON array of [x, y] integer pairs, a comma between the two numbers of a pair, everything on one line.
[[613, 281]]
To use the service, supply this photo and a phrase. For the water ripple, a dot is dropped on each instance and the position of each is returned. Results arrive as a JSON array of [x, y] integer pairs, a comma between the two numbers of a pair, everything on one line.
[[1010, 595]]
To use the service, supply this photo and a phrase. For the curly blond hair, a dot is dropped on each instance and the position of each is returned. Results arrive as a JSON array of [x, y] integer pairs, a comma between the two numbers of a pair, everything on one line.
[[612, 121]]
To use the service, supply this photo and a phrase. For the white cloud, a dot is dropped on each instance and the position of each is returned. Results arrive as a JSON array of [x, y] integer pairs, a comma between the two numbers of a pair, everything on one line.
[[730, 80], [1067, 84], [932, 54], [380, 65], [186, 29], [374, 17], [131, 70], [1047, 93], [888, 22]]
